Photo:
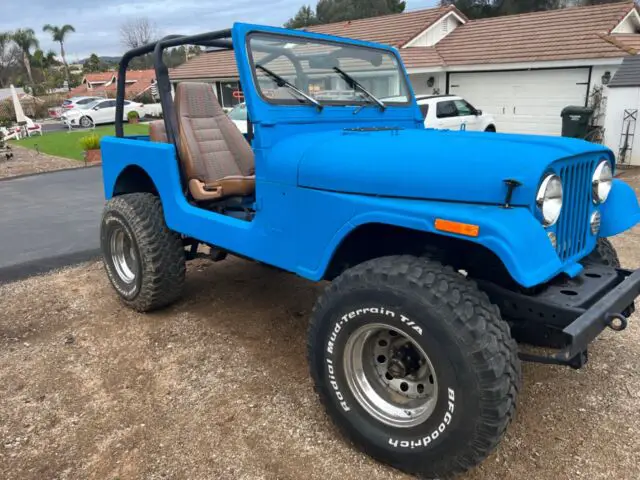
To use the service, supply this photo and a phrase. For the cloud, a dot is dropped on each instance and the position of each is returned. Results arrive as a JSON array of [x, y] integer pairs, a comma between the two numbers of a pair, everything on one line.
[[97, 23]]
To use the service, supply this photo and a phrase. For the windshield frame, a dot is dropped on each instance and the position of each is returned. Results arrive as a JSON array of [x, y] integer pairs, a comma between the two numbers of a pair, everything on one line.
[[355, 102]]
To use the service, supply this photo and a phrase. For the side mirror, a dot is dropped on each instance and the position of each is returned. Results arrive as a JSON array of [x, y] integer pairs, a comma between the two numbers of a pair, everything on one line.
[[478, 113], [95, 108]]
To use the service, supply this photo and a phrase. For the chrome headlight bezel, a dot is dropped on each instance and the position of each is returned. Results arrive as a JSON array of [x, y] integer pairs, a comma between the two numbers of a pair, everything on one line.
[[549, 199], [602, 182]]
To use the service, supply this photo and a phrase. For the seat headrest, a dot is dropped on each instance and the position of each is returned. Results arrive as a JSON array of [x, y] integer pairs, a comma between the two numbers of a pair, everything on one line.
[[197, 100]]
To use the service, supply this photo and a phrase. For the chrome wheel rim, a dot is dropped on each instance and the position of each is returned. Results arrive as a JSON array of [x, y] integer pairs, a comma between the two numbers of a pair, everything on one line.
[[123, 255], [390, 375]]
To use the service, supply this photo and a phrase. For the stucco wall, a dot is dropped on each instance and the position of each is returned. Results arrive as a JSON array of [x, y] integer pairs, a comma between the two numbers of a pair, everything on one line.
[[619, 99]]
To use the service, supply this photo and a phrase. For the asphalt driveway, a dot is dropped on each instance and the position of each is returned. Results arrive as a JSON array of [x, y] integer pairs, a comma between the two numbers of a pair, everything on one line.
[[49, 220]]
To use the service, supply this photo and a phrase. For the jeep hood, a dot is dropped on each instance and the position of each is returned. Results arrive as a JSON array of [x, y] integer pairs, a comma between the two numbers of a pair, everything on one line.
[[432, 164]]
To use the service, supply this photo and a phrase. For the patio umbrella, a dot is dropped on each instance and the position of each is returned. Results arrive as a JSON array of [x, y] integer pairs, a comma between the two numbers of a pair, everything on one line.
[[17, 106]]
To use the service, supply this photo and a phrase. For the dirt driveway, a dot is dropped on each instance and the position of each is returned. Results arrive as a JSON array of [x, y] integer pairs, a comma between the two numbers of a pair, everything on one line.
[[217, 387]]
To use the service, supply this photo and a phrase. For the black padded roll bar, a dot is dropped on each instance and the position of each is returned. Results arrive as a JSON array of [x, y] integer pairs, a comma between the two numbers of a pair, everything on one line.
[[218, 39]]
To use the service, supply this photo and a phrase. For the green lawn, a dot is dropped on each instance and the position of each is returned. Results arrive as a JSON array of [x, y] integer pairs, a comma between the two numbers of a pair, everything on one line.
[[67, 143]]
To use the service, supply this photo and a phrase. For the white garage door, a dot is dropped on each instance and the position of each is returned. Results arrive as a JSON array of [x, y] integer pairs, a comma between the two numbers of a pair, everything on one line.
[[524, 101]]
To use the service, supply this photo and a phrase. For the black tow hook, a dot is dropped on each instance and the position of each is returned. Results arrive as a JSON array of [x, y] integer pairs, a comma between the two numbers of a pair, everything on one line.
[[616, 321]]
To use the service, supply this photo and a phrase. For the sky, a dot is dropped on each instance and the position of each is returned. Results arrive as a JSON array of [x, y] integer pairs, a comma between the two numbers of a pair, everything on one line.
[[97, 22]]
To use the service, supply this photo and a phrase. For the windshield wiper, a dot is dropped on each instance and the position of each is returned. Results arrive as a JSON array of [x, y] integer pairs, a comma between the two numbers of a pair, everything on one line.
[[281, 82], [353, 83]]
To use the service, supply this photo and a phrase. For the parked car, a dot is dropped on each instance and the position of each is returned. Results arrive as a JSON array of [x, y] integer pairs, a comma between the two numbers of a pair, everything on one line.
[[442, 247], [450, 112], [238, 116], [71, 103], [98, 112]]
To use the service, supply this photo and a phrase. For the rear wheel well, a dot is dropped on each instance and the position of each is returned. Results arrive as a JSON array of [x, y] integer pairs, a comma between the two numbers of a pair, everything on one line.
[[376, 240], [134, 179]]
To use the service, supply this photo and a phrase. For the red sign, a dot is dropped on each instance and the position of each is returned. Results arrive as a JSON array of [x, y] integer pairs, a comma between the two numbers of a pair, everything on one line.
[[238, 94]]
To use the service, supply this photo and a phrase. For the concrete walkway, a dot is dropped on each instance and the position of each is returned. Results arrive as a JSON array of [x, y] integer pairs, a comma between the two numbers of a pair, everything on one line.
[[49, 220]]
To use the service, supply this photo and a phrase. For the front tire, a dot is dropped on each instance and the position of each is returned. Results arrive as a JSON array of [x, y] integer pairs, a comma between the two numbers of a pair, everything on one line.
[[144, 260], [449, 353], [605, 254], [86, 122]]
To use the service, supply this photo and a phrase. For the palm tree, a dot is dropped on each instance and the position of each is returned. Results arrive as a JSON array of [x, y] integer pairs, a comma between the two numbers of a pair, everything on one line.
[[59, 34], [26, 39]]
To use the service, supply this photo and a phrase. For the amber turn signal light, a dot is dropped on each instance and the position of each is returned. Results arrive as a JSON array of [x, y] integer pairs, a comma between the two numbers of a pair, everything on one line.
[[465, 229]]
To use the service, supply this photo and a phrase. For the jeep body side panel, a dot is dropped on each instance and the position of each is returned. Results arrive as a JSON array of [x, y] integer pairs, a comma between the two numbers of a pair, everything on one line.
[[299, 229]]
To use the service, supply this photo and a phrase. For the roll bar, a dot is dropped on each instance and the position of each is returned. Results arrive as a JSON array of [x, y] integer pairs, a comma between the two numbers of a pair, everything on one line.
[[219, 39]]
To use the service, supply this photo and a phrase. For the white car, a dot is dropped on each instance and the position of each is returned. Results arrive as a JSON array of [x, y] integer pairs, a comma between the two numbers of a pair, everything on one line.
[[450, 112], [99, 112], [238, 116], [71, 103]]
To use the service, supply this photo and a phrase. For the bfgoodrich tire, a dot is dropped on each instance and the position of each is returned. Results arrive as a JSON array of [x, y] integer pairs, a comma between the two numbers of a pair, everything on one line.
[[144, 260], [444, 341]]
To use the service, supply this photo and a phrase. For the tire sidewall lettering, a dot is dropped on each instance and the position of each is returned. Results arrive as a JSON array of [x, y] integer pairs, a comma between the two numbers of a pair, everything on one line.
[[346, 320]]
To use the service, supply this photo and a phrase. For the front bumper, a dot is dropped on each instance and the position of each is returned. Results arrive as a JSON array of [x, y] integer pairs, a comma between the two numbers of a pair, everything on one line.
[[568, 314]]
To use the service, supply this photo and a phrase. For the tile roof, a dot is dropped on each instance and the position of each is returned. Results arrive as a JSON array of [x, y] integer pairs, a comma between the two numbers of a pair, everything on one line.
[[99, 76], [421, 57], [395, 29], [565, 34], [626, 40], [220, 64], [569, 33], [628, 75], [142, 81]]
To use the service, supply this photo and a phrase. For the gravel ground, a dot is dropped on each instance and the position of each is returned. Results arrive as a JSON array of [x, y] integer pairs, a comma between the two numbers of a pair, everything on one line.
[[217, 387], [26, 161]]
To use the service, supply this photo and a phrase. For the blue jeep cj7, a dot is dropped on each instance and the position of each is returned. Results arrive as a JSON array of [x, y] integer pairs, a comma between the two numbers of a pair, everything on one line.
[[441, 247]]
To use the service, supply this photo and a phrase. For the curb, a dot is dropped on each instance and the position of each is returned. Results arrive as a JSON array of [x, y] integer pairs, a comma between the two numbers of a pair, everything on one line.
[[25, 175], [44, 265]]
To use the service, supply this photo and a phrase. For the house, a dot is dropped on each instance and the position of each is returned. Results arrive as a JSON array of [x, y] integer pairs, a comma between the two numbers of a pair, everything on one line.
[[523, 69], [622, 132], [105, 83]]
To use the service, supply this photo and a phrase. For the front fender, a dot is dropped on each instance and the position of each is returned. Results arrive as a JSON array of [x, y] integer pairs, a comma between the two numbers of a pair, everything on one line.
[[621, 211], [514, 235]]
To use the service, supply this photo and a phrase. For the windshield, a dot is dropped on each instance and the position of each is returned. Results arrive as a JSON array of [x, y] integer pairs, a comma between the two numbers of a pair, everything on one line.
[[318, 69], [239, 112]]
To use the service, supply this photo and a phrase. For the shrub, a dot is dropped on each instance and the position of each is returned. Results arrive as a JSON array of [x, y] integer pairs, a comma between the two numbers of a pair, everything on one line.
[[133, 115], [90, 142]]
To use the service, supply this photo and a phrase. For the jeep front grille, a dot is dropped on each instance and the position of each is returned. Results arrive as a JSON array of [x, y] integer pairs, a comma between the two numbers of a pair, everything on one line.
[[573, 225]]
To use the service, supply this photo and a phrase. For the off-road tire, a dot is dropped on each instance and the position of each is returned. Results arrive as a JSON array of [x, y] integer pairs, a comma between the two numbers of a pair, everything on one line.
[[473, 354], [605, 254], [160, 272]]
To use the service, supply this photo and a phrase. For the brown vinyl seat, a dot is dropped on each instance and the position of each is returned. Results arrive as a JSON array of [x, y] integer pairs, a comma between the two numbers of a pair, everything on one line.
[[216, 158]]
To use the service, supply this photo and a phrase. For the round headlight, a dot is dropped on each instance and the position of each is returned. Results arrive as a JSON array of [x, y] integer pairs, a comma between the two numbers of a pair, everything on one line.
[[549, 199], [602, 180]]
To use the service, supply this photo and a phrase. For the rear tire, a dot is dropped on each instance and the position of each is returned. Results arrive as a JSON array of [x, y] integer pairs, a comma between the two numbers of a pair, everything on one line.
[[490, 129], [436, 318], [144, 260]]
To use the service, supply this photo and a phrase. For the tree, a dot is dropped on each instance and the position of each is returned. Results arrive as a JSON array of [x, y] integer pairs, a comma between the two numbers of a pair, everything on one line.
[[7, 58], [25, 39], [304, 18], [138, 32], [59, 34], [492, 8], [93, 64], [328, 11]]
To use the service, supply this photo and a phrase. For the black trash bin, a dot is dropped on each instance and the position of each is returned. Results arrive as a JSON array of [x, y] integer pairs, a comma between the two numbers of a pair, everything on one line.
[[575, 121]]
